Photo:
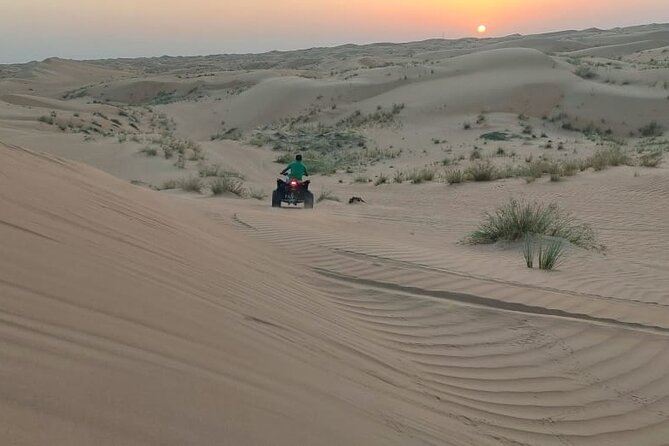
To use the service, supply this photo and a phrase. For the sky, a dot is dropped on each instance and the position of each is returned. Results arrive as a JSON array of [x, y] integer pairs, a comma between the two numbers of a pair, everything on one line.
[[96, 29]]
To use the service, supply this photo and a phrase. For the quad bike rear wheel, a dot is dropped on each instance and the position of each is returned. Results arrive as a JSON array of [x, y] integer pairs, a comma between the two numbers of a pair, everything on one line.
[[276, 199], [308, 200]]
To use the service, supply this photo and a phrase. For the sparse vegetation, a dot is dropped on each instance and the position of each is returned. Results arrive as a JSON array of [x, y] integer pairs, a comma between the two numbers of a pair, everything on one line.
[[257, 194], [419, 176], [381, 179], [455, 176], [603, 158], [482, 171], [327, 195], [174, 146], [191, 184], [652, 159], [528, 251], [651, 130], [149, 151], [550, 251], [518, 219], [227, 184], [586, 72]]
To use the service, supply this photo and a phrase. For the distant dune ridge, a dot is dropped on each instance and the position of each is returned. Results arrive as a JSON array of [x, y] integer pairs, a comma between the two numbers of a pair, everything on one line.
[[137, 308]]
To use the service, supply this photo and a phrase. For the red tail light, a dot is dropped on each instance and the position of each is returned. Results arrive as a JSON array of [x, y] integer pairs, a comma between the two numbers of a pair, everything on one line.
[[293, 183]]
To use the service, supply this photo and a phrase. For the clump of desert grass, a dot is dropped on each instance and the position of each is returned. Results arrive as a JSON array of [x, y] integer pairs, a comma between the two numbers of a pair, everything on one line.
[[217, 185], [482, 170], [226, 184], [216, 170], [517, 219], [171, 146], [257, 194], [419, 176], [149, 151], [190, 184], [603, 158], [652, 129], [455, 176], [550, 252], [652, 159], [327, 195], [381, 179]]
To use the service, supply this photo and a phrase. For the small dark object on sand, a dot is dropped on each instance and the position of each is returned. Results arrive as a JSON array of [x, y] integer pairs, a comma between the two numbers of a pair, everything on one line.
[[355, 200]]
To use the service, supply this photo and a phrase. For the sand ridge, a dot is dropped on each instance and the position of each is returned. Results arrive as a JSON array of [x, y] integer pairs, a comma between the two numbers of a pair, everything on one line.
[[135, 316]]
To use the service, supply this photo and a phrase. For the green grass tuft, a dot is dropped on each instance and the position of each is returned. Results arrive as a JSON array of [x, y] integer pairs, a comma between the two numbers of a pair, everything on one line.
[[517, 219]]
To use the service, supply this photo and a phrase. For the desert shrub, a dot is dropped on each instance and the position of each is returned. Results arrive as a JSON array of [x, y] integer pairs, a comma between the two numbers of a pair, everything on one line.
[[455, 176], [586, 72], [323, 165], [180, 163], [221, 185], [508, 171], [603, 158], [570, 167], [190, 184], [418, 176], [517, 219], [482, 171], [381, 179], [496, 136], [398, 177], [149, 151], [652, 129], [257, 194], [475, 155], [169, 184], [652, 159], [284, 158], [327, 195], [555, 172], [361, 179], [209, 170]]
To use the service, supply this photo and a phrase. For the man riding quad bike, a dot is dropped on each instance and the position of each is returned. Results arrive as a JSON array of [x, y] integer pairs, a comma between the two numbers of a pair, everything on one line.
[[294, 189]]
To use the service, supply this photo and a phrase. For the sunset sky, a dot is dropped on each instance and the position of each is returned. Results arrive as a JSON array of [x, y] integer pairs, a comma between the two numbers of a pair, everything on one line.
[[89, 29]]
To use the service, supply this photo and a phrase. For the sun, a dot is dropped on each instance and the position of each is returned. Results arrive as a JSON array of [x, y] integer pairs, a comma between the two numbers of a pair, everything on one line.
[[482, 29]]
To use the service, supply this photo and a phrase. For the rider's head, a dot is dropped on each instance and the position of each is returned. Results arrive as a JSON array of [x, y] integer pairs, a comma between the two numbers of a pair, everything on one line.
[[298, 157]]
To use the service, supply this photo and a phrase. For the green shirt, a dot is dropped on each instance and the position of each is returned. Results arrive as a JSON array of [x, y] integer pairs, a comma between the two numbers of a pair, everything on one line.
[[297, 170]]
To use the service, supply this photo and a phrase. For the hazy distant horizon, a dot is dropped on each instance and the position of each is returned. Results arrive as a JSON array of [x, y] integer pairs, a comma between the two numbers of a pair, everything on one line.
[[33, 30]]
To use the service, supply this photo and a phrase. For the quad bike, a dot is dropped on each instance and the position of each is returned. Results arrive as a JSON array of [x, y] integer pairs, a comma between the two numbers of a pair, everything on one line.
[[292, 192]]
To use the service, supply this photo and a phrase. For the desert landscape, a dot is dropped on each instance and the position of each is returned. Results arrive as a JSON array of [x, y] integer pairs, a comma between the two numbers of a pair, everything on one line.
[[503, 278]]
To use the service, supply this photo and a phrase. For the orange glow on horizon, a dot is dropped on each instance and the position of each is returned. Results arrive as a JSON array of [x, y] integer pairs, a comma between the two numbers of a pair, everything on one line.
[[128, 27]]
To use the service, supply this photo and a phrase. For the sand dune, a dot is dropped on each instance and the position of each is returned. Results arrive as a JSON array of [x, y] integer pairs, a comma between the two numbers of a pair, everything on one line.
[[613, 51], [137, 317], [199, 333]]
